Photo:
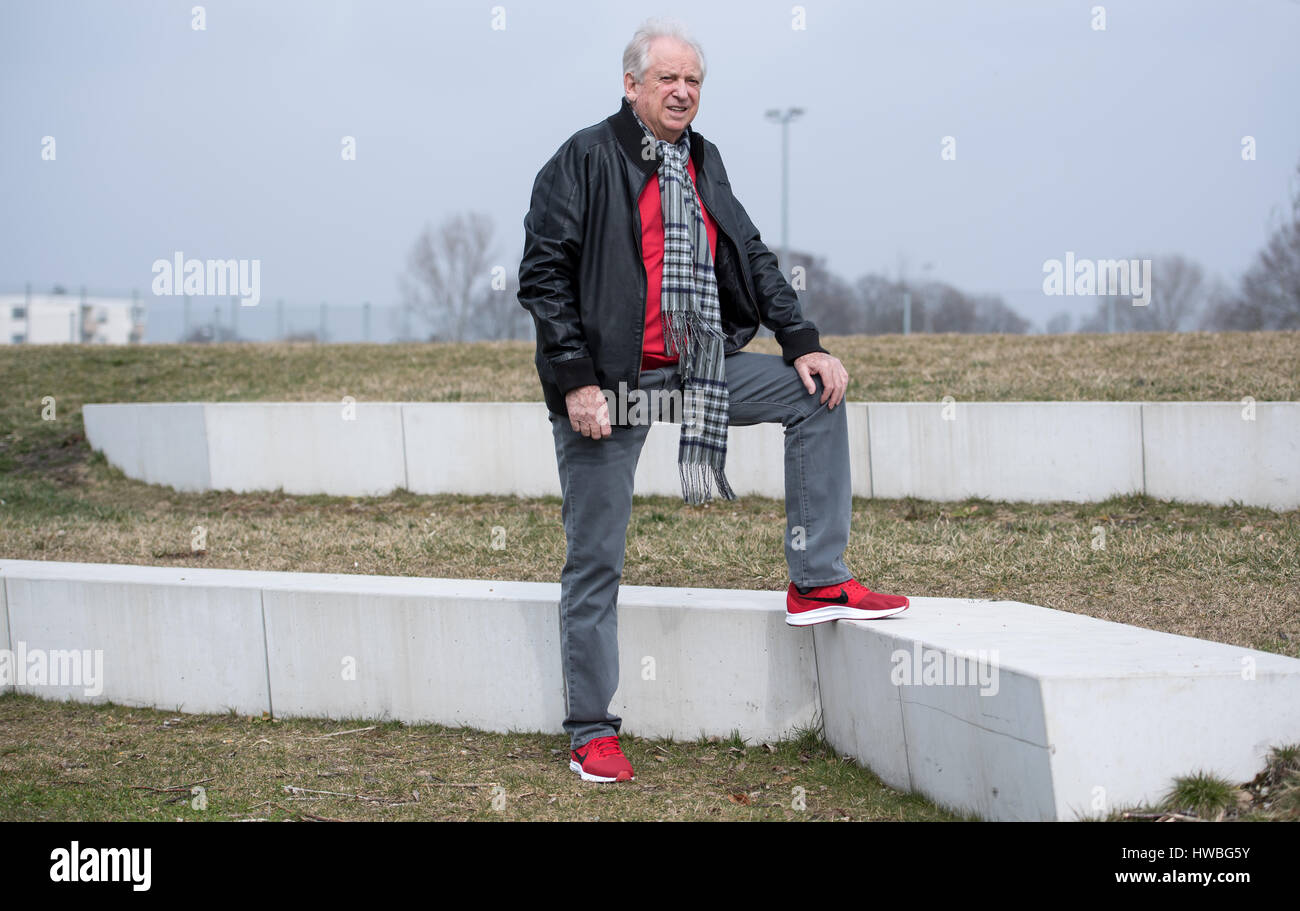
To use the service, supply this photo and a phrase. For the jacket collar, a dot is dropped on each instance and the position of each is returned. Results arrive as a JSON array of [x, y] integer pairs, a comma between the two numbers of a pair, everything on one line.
[[629, 135]]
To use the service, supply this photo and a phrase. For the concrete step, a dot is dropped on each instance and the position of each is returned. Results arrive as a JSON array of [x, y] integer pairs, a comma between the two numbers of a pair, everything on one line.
[[1196, 452], [1006, 709]]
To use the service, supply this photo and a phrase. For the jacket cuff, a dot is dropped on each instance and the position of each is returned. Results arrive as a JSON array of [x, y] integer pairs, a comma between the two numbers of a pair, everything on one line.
[[800, 342], [574, 373]]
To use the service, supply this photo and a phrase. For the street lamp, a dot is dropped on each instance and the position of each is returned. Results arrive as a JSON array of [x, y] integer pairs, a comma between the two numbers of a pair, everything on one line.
[[784, 118]]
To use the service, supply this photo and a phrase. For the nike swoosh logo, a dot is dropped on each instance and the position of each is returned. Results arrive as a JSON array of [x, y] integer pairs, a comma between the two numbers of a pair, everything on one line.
[[842, 599]]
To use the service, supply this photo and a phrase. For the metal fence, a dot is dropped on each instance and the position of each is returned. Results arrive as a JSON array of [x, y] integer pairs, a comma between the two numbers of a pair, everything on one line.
[[169, 320]]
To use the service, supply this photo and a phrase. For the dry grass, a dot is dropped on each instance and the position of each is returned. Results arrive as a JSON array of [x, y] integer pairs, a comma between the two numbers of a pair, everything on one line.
[[71, 761]]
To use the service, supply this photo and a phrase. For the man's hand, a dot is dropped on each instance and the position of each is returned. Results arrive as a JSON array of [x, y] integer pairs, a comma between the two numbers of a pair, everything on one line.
[[835, 379], [589, 412]]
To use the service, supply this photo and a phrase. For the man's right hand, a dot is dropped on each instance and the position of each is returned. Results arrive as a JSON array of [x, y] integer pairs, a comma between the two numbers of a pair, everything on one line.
[[588, 412]]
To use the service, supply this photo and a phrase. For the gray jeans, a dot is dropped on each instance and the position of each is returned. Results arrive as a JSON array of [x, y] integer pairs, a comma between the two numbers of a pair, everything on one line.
[[596, 483]]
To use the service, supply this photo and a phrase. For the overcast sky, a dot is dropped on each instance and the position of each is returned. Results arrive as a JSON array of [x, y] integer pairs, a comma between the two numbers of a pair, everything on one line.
[[225, 143]]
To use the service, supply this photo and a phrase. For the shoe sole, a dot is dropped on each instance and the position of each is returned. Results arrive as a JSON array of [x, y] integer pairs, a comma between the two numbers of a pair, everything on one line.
[[587, 776], [826, 614]]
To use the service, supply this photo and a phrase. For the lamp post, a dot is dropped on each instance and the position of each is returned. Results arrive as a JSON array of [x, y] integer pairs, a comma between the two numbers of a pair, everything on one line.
[[784, 117]]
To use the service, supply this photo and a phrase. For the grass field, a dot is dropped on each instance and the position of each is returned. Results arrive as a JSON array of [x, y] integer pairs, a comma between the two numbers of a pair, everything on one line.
[[74, 761], [1225, 573]]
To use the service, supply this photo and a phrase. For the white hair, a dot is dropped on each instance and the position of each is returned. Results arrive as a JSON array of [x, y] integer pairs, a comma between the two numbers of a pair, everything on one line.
[[636, 56]]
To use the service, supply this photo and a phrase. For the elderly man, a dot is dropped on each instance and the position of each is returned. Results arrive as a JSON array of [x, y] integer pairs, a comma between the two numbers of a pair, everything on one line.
[[644, 273]]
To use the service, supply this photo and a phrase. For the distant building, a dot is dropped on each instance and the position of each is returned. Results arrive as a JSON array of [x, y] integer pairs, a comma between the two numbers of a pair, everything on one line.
[[60, 319]]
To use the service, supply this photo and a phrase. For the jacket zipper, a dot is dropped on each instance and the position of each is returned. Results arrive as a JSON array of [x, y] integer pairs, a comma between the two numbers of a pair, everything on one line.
[[645, 282]]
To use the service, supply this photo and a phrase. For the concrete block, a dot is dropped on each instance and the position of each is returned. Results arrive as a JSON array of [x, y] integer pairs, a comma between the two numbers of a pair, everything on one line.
[[480, 448], [508, 448], [755, 461], [859, 447], [862, 711], [700, 661], [1221, 452], [1002, 709], [175, 639], [1050, 730], [482, 654], [1017, 451], [1028, 451], [158, 443], [306, 447], [4, 629]]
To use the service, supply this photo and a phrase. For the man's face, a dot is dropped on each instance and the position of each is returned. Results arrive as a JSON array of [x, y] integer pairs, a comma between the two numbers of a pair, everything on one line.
[[669, 95]]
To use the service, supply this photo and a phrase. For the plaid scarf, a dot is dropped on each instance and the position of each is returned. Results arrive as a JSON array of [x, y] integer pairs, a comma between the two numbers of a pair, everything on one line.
[[692, 324]]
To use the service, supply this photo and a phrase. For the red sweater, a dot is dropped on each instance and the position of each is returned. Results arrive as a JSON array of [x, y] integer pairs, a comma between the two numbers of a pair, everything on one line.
[[653, 353]]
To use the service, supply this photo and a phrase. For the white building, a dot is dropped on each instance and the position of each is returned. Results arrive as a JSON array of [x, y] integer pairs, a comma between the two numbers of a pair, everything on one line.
[[54, 319]]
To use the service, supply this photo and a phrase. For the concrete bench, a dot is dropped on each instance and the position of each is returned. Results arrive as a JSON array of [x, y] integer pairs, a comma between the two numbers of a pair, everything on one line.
[[1006, 709], [1197, 452], [1020, 712]]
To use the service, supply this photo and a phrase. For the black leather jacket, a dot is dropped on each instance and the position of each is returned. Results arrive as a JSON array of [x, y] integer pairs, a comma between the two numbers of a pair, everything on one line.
[[583, 278]]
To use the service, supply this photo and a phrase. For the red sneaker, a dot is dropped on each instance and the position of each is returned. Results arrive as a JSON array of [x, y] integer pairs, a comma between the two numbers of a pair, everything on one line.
[[848, 600], [601, 759]]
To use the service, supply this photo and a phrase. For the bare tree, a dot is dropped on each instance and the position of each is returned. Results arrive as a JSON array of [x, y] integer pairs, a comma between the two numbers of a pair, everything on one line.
[[1179, 292], [449, 277], [939, 307], [993, 315], [1220, 299], [1269, 292], [500, 316], [882, 304], [824, 297], [1129, 317], [1059, 324]]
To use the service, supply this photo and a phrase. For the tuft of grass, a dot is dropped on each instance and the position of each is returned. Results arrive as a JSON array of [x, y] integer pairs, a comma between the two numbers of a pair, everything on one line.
[[1202, 794], [1283, 761], [735, 741], [1273, 795], [1277, 788], [810, 737]]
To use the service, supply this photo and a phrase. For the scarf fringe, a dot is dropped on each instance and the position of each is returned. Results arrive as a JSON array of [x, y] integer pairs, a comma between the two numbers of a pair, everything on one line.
[[696, 489], [674, 336], [677, 326]]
